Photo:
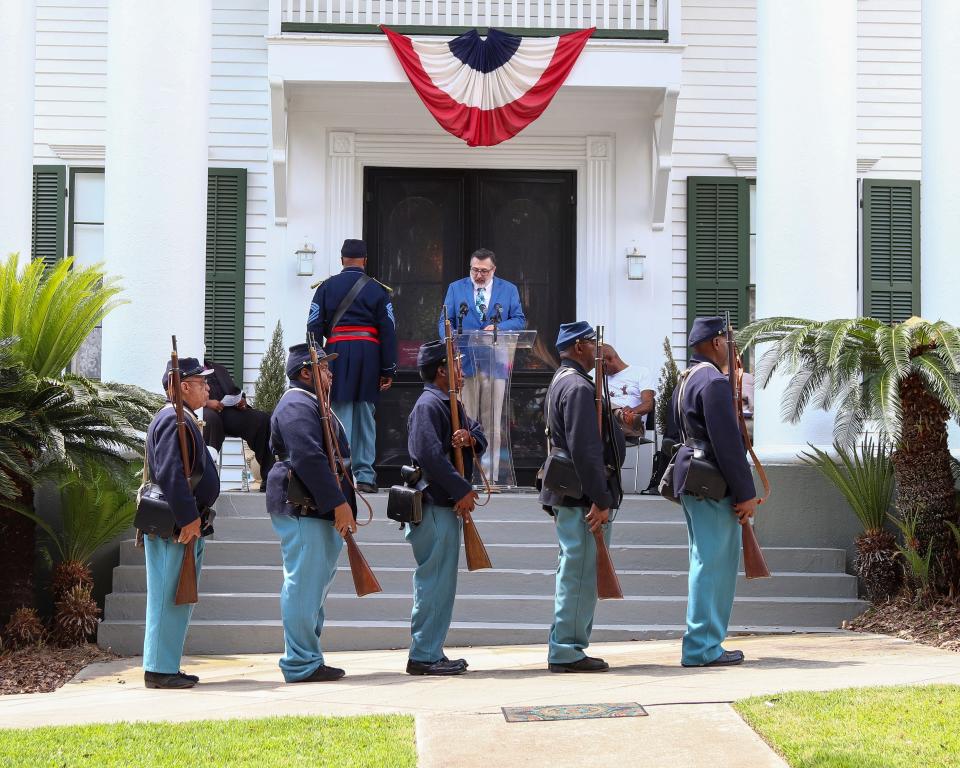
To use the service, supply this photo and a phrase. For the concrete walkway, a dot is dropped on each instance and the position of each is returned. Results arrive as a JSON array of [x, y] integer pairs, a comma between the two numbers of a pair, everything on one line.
[[459, 721]]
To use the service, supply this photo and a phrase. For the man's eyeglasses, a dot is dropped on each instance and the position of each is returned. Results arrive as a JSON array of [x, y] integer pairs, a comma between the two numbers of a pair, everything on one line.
[[480, 271]]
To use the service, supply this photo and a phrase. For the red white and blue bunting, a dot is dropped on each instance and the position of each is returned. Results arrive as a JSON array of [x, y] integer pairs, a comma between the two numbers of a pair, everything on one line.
[[486, 91]]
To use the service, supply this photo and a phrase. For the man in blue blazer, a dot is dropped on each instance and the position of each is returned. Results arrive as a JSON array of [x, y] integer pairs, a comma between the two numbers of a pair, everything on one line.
[[475, 303]]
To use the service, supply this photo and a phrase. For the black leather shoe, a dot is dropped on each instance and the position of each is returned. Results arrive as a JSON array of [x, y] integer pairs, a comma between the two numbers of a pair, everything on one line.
[[586, 664], [462, 662], [194, 678], [443, 667], [725, 659], [323, 674], [367, 488], [171, 682]]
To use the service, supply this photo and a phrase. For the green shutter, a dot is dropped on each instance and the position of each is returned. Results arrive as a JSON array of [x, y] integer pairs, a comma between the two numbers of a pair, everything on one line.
[[49, 212], [226, 259], [718, 248], [891, 249]]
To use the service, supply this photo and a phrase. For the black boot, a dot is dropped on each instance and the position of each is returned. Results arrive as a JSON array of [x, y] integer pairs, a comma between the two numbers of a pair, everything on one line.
[[586, 664], [176, 681], [323, 674], [443, 667]]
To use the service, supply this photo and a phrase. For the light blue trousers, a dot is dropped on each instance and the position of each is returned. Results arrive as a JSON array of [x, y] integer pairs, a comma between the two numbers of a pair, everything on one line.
[[436, 548], [166, 624], [576, 596], [310, 548], [714, 536], [361, 430]]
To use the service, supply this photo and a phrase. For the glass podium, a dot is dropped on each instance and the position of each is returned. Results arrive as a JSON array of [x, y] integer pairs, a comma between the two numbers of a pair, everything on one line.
[[487, 370]]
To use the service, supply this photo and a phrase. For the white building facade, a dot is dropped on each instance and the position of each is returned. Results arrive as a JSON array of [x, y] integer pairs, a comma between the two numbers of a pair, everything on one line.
[[764, 157]]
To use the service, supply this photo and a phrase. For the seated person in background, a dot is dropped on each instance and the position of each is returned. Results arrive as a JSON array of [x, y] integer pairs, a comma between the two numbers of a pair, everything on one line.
[[227, 414], [631, 392]]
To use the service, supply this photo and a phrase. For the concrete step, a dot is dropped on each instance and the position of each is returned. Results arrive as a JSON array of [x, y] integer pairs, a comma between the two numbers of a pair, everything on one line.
[[655, 557], [259, 606], [398, 580], [494, 531], [520, 506], [216, 637]]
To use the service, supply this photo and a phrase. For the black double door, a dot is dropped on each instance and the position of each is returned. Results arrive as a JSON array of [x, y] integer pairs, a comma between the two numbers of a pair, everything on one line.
[[421, 225]]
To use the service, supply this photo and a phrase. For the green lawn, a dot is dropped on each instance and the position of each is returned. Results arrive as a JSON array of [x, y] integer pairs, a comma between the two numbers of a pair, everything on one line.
[[861, 727], [285, 742]]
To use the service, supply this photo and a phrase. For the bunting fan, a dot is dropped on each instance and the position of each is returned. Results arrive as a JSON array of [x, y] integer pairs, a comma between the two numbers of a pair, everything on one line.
[[485, 91]]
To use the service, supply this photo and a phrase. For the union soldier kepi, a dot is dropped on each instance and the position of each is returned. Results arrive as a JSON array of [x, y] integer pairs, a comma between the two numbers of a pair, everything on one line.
[[353, 312]]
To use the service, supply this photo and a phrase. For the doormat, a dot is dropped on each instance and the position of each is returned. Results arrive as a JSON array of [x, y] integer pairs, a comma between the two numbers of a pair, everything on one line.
[[572, 712]]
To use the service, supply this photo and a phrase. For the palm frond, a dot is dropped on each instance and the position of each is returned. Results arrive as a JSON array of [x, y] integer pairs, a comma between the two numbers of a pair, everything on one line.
[[51, 310], [939, 382], [864, 475], [884, 404], [893, 344]]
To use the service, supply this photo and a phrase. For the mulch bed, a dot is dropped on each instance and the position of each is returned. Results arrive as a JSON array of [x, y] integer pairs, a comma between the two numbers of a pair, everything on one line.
[[937, 624], [45, 668]]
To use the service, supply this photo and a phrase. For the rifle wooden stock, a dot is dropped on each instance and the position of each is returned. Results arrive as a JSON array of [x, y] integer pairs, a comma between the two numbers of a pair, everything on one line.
[[187, 582], [477, 557], [608, 585], [754, 565], [364, 579]]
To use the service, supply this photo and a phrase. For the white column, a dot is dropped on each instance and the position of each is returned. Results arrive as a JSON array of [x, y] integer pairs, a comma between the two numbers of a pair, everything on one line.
[[806, 182], [158, 90], [940, 160], [17, 54]]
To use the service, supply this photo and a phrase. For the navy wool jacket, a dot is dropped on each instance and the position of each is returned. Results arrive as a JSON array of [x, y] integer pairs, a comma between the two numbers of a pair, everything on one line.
[[708, 415], [365, 338], [429, 434], [296, 437], [166, 465], [573, 428]]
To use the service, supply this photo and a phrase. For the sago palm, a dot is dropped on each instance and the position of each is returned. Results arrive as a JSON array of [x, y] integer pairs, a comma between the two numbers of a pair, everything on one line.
[[48, 427], [902, 380], [864, 475], [51, 420]]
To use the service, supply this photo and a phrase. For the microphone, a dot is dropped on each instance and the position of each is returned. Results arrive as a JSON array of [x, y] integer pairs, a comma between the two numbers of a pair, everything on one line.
[[462, 314], [497, 311]]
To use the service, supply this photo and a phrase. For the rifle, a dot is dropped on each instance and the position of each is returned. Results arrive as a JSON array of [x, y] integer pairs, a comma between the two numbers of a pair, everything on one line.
[[364, 580], [754, 566], [477, 557], [187, 583], [608, 585]]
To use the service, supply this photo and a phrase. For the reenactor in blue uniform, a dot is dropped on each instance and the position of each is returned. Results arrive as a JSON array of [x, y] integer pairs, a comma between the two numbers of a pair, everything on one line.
[[310, 539], [166, 622], [359, 327], [708, 422], [436, 540], [571, 417]]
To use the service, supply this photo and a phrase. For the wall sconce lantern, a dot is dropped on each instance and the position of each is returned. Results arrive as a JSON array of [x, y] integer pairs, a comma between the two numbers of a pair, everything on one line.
[[305, 254], [635, 264]]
